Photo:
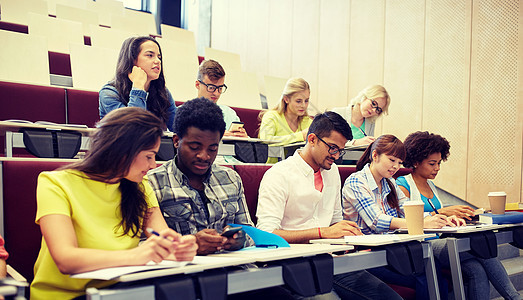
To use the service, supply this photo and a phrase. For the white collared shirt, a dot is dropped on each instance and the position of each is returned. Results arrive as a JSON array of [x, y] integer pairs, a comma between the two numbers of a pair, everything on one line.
[[288, 199]]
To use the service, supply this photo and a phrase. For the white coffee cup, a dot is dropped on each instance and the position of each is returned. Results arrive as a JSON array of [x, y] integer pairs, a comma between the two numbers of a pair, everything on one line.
[[414, 216], [497, 202]]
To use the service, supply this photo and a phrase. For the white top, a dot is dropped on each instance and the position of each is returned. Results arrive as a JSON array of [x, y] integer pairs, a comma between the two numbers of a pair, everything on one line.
[[288, 200]]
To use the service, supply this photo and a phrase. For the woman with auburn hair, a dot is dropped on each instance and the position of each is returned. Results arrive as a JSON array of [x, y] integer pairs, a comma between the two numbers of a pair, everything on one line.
[[373, 200], [362, 112], [288, 122], [139, 81], [93, 212], [425, 152]]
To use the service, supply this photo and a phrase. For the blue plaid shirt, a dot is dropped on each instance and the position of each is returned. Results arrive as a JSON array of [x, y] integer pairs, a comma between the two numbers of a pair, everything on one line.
[[364, 204], [183, 207]]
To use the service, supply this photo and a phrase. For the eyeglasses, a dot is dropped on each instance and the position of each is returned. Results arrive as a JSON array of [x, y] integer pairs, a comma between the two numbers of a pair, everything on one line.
[[375, 106], [211, 87], [332, 149]]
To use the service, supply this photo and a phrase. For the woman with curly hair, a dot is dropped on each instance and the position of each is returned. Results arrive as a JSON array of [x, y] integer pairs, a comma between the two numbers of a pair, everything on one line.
[[139, 81], [425, 152]]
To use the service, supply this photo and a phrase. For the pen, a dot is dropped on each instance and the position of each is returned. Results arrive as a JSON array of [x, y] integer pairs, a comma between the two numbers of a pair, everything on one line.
[[362, 131], [432, 205], [151, 231], [267, 246]]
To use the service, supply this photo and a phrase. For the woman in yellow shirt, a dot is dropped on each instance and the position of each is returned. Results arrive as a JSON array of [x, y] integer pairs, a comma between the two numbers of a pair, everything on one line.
[[288, 122], [92, 212]]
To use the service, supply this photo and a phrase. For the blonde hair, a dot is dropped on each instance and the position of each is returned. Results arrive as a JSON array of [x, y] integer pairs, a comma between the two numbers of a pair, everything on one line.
[[372, 92], [293, 86]]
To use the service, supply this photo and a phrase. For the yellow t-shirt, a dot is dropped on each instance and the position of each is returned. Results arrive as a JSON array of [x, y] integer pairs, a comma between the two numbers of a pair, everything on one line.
[[94, 208], [274, 127]]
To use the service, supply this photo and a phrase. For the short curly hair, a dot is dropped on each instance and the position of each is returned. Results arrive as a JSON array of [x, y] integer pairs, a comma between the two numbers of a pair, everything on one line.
[[421, 144], [200, 113]]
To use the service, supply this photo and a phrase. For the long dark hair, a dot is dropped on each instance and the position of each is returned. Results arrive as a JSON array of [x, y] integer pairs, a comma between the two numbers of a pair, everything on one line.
[[389, 145], [158, 99], [120, 136]]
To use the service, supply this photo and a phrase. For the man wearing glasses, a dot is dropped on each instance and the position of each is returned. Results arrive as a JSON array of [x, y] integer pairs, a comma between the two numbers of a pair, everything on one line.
[[211, 85], [300, 200]]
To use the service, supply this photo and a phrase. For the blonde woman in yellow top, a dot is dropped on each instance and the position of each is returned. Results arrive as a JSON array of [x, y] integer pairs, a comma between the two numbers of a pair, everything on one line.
[[92, 213], [288, 122]]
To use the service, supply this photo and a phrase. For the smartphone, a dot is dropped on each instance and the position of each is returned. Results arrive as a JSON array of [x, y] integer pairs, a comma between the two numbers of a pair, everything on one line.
[[230, 231], [236, 126]]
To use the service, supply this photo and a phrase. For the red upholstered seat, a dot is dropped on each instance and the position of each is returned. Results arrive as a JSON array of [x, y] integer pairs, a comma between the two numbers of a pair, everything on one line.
[[32, 103], [251, 176], [82, 107], [14, 27], [59, 63], [250, 118], [21, 234]]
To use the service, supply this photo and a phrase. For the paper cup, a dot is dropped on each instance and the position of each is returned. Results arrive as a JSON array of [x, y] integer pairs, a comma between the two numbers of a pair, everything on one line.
[[414, 216], [497, 202]]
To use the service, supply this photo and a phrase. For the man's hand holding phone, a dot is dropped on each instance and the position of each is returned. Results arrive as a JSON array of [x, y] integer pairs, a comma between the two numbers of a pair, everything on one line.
[[235, 238]]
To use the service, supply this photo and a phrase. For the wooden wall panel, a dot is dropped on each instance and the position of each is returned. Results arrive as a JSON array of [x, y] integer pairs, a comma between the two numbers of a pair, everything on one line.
[[367, 30], [494, 160], [305, 46], [220, 24], [446, 85], [333, 57], [257, 37], [403, 65], [280, 38], [237, 29]]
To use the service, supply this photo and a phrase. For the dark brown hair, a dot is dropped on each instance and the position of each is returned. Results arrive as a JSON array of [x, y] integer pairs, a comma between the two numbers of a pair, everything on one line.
[[158, 99], [389, 145], [117, 140], [421, 144]]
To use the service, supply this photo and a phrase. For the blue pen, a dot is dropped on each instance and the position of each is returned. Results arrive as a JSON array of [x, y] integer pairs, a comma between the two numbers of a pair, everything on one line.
[[362, 131], [151, 231], [433, 207]]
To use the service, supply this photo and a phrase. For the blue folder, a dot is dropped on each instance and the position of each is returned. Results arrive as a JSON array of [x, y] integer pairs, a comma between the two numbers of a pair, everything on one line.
[[263, 238]]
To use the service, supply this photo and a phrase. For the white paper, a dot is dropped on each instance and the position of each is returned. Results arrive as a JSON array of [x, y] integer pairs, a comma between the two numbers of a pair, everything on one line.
[[110, 273]]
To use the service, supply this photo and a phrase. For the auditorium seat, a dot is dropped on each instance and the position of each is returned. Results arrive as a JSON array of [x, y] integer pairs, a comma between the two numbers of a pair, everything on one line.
[[33, 50], [59, 63], [20, 28], [92, 67], [84, 16], [32, 102], [21, 233], [58, 32], [251, 177], [15, 12], [82, 107], [250, 119], [273, 90]]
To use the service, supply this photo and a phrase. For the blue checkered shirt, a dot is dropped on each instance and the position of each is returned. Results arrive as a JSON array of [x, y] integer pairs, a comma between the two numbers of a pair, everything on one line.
[[364, 204]]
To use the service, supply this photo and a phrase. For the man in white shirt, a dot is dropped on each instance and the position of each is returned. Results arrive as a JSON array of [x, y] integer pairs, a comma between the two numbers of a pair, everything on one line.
[[300, 200]]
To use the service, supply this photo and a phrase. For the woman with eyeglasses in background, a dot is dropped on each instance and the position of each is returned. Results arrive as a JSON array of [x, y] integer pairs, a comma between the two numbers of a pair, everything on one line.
[[362, 112]]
